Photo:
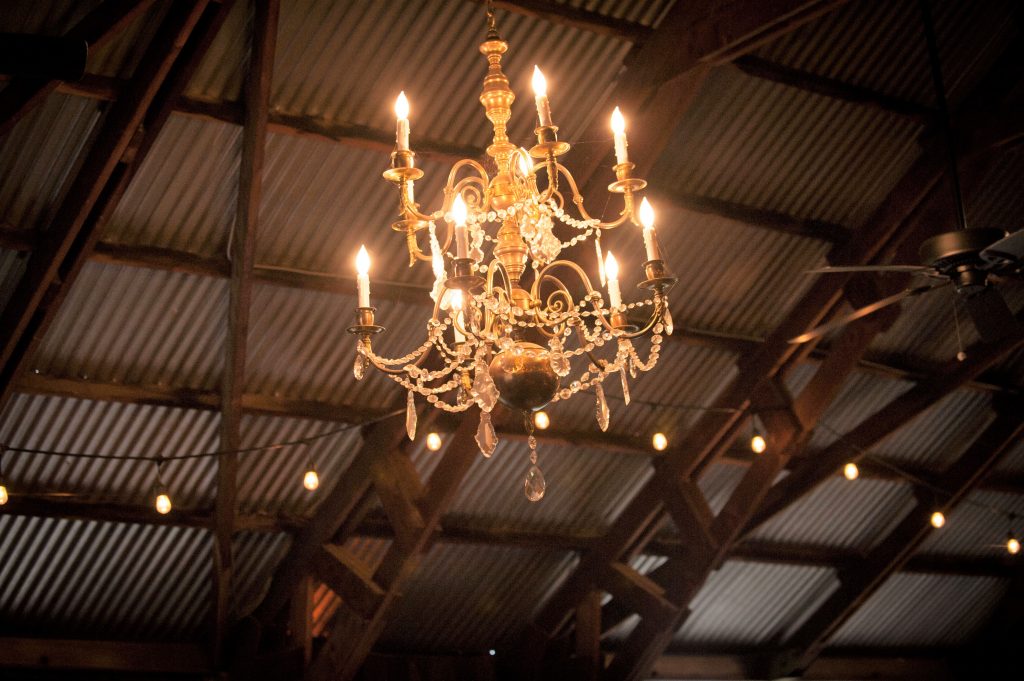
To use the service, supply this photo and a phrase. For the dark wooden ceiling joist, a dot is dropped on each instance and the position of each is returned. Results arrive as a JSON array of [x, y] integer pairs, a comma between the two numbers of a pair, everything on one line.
[[858, 583], [576, 17], [715, 431], [125, 137], [96, 28]]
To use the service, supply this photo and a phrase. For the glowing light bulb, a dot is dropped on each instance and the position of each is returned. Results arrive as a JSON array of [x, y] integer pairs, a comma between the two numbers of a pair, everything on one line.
[[1012, 545], [433, 442], [539, 83], [646, 214], [363, 261], [660, 442], [455, 298], [541, 420], [850, 471], [401, 106], [611, 272], [938, 519], [459, 214], [758, 444], [3, 494], [618, 122], [524, 161], [611, 266], [163, 503], [311, 480]]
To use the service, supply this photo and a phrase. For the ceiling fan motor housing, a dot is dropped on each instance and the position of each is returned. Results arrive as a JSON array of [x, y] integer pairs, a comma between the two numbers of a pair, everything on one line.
[[957, 256]]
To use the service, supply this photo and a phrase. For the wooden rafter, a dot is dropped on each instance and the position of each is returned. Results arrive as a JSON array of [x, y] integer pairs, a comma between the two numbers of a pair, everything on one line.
[[715, 431], [256, 104], [95, 29], [858, 583], [95, 191]]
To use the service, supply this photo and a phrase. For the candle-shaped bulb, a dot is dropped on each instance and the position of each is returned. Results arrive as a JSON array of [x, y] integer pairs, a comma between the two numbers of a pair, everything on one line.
[[540, 96], [402, 106], [651, 245], [363, 261], [461, 237], [611, 270], [402, 125], [363, 277], [524, 162], [619, 134], [456, 299], [540, 83]]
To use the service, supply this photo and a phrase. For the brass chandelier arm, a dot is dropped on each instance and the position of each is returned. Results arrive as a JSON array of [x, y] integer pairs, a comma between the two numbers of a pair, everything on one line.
[[628, 210]]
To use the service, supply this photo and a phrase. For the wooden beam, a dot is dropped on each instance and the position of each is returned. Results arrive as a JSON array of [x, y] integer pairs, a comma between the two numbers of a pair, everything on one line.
[[106, 656], [400, 491], [95, 29], [759, 67], [348, 577], [582, 19], [656, 92], [125, 138], [587, 638], [881, 666], [352, 637], [859, 583], [256, 104]]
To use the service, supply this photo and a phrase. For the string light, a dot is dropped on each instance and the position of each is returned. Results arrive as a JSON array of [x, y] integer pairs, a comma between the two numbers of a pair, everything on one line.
[[938, 519], [433, 442], [660, 442], [162, 502], [850, 471], [3, 487], [1012, 544], [311, 480], [541, 420], [758, 444]]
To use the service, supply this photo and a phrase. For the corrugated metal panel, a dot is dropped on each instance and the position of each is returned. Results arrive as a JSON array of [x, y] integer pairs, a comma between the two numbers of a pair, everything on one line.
[[185, 193], [121, 55], [103, 580], [219, 76], [138, 326], [257, 555], [882, 45], [753, 604], [472, 598], [319, 74], [978, 526], [1013, 460], [587, 488], [38, 155], [647, 12], [939, 435], [12, 267], [271, 481], [917, 610], [46, 17], [111, 428], [841, 514], [765, 145], [861, 396]]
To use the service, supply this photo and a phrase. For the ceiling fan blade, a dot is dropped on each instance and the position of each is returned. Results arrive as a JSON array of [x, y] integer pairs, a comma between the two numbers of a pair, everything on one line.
[[1008, 250], [859, 313], [841, 269], [991, 316]]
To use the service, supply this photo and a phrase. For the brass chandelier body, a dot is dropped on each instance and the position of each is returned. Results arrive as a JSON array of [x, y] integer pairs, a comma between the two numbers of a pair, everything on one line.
[[510, 327]]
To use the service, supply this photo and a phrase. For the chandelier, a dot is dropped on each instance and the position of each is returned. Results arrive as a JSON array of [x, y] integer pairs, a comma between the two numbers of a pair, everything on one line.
[[523, 325]]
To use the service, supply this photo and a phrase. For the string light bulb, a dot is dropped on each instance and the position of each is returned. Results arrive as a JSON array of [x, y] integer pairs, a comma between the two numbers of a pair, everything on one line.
[[163, 503], [3, 493], [541, 420], [311, 479], [659, 441], [938, 519], [758, 444], [433, 442], [850, 471], [1012, 544], [162, 498]]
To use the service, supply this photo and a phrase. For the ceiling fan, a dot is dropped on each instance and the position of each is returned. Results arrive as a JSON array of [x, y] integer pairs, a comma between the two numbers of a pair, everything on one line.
[[973, 260]]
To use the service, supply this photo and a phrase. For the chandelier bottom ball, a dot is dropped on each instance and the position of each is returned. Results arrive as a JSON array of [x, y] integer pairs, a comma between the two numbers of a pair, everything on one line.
[[524, 377]]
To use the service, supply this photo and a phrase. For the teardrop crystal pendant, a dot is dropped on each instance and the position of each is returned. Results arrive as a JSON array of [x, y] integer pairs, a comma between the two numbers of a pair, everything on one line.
[[559, 362], [485, 391], [534, 483], [625, 384], [359, 366], [410, 416], [486, 438], [666, 319], [601, 408]]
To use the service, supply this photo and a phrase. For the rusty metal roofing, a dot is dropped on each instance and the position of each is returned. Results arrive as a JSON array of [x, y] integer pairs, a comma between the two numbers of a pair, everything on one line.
[[919, 610]]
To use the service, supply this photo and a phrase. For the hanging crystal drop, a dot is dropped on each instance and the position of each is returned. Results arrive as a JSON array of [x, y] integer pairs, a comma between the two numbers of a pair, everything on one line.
[[359, 366], [534, 483], [601, 409], [484, 388], [559, 362], [410, 416], [625, 384], [666, 319], [462, 397], [486, 438]]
